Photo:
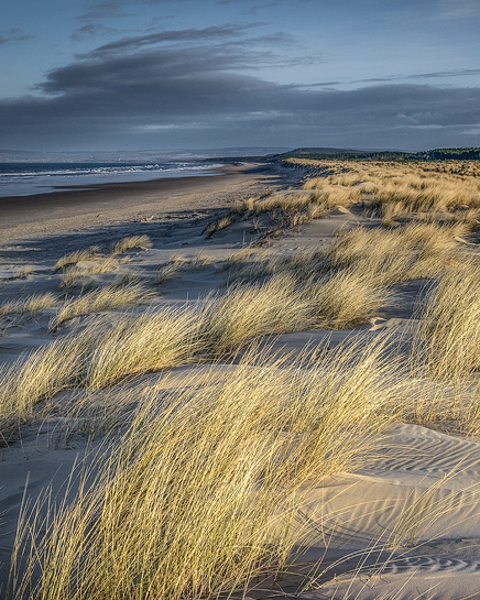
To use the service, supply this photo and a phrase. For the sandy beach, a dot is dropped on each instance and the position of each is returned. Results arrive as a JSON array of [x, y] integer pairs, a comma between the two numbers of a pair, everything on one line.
[[115, 203], [275, 335]]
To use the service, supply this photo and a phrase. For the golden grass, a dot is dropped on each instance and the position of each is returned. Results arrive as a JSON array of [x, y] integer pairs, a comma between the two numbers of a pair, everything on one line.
[[30, 304], [147, 343], [404, 190], [74, 257], [415, 251], [449, 332], [98, 356], [47, 371], [22, 272], [171, 268], [105, 298], [348, 298], [133, 241], [201, 493], [101, 264]]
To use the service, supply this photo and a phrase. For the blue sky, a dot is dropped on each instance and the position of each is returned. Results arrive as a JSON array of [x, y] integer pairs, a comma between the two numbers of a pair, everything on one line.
[[184, 74]]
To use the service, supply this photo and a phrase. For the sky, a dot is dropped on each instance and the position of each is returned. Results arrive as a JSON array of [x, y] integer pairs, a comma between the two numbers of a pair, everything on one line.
[[133, 75]]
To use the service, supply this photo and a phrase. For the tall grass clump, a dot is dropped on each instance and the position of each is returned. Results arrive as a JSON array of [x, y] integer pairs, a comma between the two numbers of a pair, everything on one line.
[[47, 371], [203, 492], [449, 333], [144, 344], [414, 251], [105, 298], [245, 312], [348, 298]]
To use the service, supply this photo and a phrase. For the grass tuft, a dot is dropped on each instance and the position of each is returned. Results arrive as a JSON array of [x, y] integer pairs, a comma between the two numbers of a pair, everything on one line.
[[105, 298], [31, 304], [134, 241], [74, 257]]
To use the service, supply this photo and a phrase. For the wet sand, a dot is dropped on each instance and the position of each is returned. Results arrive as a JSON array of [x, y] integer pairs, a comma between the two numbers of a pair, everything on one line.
[[110, 204]]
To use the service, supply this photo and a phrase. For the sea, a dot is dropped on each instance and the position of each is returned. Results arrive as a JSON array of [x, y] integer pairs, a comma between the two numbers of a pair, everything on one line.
[[28, 178]]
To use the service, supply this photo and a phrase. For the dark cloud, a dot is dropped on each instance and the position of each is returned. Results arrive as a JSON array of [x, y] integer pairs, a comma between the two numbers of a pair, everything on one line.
[[186, 35], [104, 10], [92, 29], [116, 8], [13, 35], [456, 73], [200, 96]]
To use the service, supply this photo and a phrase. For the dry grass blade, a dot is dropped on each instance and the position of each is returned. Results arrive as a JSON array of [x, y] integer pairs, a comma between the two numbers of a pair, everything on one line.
[[170, 268], [22, 272]]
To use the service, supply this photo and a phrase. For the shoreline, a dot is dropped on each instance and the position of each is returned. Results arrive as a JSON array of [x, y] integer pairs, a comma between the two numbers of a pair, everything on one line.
[[112, 204]]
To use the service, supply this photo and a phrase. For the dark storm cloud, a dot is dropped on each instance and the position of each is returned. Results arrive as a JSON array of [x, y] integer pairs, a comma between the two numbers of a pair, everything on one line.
[[201, 92]]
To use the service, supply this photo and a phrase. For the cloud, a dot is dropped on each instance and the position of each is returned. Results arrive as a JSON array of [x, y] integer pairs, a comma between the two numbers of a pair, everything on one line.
[[198, 94], [13, 35], [130, 44], [118, 8], [455, 73], [91, 29]]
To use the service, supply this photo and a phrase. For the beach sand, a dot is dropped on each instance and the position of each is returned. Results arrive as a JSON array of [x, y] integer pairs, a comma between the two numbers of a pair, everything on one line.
[[116, 203], [356, 512]]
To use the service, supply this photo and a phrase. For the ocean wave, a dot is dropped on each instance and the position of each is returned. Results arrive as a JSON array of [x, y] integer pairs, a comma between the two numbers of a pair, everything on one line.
[[23, 179]]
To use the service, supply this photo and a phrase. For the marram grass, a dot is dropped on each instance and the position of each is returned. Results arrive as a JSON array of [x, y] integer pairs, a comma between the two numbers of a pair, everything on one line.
[[202, 493]]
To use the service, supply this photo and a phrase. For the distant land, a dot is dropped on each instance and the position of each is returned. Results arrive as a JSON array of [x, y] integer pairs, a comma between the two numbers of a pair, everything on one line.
[[229, 155], [436, 154], [143, 156]]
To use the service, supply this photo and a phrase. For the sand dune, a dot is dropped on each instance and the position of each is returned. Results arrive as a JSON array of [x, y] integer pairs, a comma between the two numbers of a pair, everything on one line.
[[404, 520]]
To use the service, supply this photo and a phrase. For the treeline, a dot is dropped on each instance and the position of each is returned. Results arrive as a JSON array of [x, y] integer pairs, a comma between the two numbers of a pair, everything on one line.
[[387, 155]]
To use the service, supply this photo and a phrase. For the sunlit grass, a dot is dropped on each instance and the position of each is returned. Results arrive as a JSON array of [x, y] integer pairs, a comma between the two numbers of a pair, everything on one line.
[[200, 494]]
